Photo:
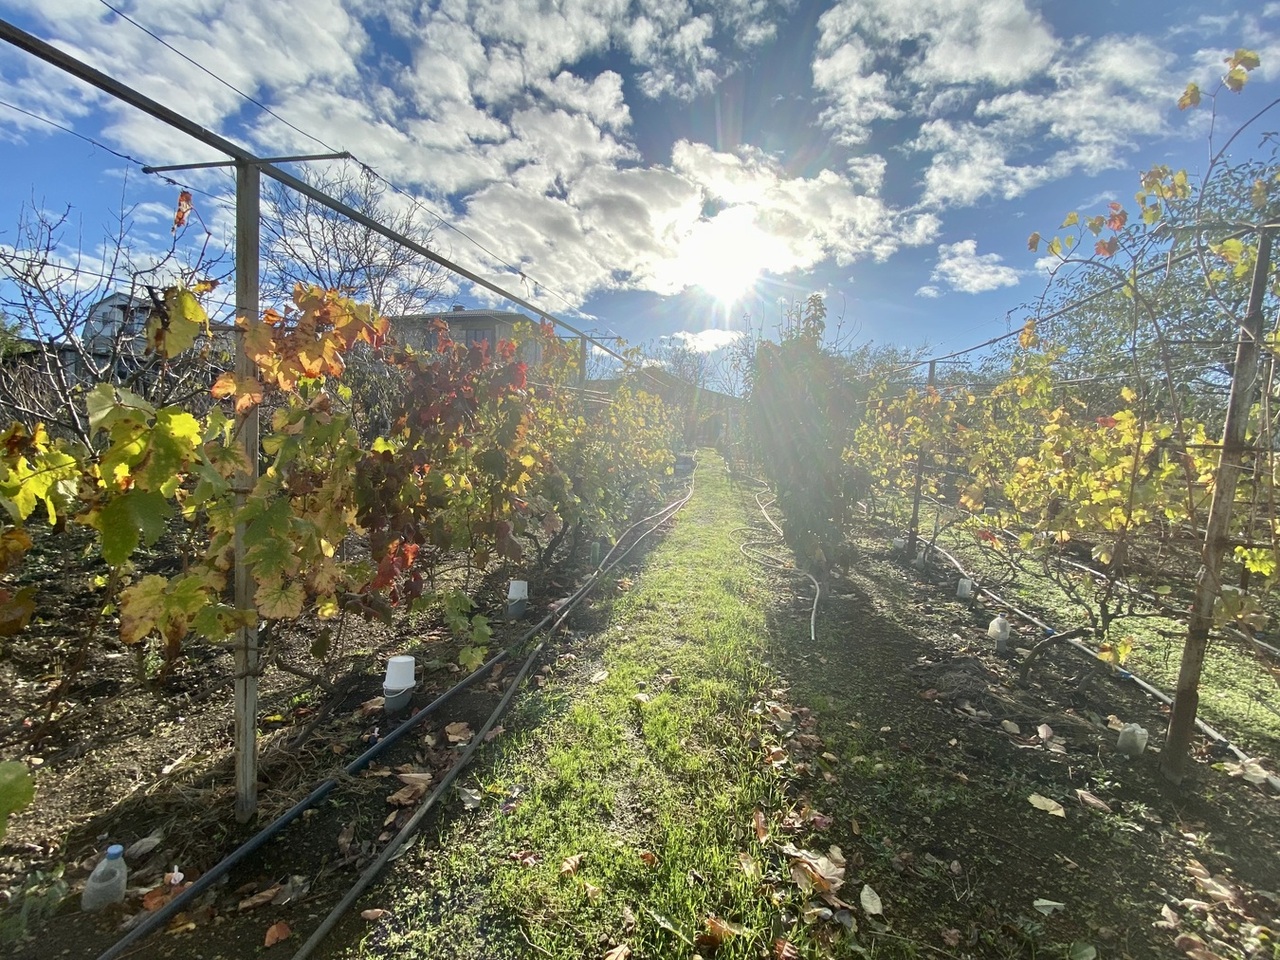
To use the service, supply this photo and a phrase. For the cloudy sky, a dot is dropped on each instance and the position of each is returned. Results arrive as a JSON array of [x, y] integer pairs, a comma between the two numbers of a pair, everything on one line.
[[663, 167]]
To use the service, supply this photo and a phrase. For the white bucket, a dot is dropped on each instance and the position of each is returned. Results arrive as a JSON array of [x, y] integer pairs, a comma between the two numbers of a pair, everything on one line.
[[398, 684], [517, 599], [1132, 740]]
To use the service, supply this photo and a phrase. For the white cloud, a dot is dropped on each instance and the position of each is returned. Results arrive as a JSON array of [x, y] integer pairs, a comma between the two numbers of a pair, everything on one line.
[[707, 341], [962, 268], [929, 291]]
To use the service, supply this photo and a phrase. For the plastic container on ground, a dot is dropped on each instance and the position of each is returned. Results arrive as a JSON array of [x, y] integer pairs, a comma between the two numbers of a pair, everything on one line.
[[517, 599], [107, 882], [998, 630], [1132, 740], [964, 589], [398, 685]]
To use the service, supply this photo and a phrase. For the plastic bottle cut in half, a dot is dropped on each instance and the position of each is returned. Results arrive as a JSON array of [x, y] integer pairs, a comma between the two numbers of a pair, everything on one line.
[[107, 882]]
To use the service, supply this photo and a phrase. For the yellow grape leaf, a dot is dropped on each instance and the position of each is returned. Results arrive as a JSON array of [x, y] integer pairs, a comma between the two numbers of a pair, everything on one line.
[[1244, 58], [279, 601], [1072, 219], [1128, 395], [1190, 97], [1028, 339]]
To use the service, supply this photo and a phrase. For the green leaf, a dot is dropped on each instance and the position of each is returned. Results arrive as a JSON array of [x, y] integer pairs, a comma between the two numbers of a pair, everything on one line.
[[17, 790], [175, 330], [125, 518]]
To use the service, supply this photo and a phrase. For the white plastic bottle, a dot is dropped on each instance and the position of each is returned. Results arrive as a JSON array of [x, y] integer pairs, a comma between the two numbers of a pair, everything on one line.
[[998, 630], [107, 882]]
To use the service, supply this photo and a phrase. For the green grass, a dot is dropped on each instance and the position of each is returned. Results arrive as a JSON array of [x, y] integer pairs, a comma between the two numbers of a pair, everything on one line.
[[662, 757]]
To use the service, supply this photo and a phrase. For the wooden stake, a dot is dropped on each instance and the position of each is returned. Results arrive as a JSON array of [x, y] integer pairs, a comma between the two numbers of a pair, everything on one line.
[[1186, 700]]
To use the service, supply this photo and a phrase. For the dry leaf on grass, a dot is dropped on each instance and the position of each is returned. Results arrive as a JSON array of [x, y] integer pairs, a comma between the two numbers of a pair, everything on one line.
[[1051, 807], [276, 932], [375, 913], [1089, 800], [470, 798], [569, 866], [749, 866], [526, 858], [785, 950], [870, 901], [649, 857], [620, 952], [762, 828]]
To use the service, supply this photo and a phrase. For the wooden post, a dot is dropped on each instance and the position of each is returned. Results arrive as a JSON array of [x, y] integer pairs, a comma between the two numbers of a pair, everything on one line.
[[1244, 376], [915, 500], [246, 647]]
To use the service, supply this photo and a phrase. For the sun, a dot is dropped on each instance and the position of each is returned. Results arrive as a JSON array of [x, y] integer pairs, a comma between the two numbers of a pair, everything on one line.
[[726, 255]]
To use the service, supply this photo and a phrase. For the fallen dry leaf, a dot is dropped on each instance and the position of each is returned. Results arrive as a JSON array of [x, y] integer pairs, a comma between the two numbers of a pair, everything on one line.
[[785, 950], [375, 913], [762, 828], [870, 901], [719, 930], [470, 798], [1089, 800], [258, 899], [649, 857], [459, 732], [526, 858], [749, 866], [494, 733], [951, 937], [1051, 807], [600, 676], [1010, 727], [569, 866], [593, 892], [276, 932], [620, 952]]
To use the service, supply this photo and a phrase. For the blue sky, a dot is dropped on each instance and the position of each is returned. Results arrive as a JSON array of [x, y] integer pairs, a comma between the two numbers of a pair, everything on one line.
[[665, 167]]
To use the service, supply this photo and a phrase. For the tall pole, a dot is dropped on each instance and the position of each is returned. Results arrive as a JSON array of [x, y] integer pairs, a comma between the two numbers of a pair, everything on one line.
[[1244, 376], [246, 645], [915, 500]]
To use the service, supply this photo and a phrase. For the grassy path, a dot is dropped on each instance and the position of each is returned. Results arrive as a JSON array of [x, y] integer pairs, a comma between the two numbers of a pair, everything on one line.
[[638, 763]]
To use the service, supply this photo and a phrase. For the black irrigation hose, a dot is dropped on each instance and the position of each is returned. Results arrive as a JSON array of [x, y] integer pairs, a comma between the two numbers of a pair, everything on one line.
[[1092, 654], [410, 828], [258, 840]]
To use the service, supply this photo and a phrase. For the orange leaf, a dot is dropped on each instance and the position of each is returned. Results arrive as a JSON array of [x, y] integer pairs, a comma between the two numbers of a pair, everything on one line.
[[784, 950], [1107, 248], [184, 208], [276, 932], [762, 828]]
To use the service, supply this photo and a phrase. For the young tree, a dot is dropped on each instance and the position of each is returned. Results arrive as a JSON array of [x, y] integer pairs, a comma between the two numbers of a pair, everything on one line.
[[305, 242], [53, 355]]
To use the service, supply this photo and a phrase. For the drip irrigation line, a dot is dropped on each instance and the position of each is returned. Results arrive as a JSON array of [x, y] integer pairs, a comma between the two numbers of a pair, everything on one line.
[[391, 850], [219, 870], [1092, 654], [215, 873], [769, 560]]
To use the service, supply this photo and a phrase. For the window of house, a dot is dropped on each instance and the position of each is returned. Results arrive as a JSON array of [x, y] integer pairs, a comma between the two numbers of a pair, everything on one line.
[[474, 336]]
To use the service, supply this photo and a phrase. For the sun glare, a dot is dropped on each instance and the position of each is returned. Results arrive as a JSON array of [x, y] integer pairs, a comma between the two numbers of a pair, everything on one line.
[[726, 255]]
